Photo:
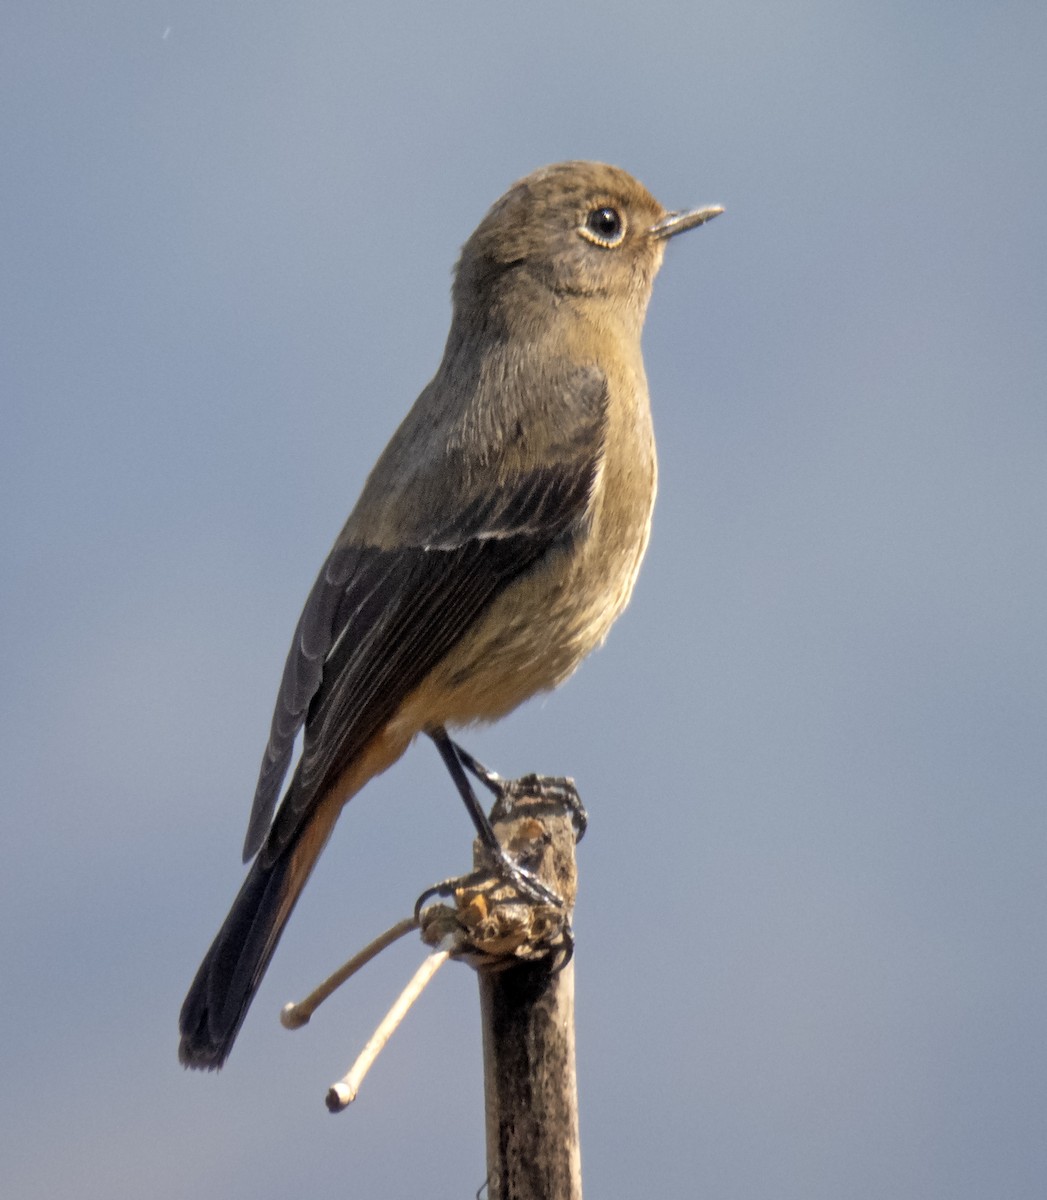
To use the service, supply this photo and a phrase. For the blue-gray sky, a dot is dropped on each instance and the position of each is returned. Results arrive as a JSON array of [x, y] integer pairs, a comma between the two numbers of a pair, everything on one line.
[[812, 926]]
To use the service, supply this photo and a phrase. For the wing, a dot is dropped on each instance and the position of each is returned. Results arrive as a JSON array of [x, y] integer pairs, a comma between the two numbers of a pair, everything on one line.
[[379, 619]]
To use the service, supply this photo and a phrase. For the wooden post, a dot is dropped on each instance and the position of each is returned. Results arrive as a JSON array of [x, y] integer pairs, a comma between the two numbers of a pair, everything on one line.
[[528, 1037]]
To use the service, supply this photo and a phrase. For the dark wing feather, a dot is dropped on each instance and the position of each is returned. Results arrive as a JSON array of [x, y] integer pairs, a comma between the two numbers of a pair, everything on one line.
[[378, 620], [303, 671]]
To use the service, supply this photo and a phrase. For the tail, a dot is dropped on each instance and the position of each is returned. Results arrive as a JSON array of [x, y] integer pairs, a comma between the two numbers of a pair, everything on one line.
[[233, 968]]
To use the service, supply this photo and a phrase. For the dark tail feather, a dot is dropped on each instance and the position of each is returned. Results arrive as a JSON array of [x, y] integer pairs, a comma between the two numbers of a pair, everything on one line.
[[233, 968]]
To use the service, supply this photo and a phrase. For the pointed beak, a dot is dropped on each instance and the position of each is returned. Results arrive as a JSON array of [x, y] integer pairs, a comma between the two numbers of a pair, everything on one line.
[[678, 222]]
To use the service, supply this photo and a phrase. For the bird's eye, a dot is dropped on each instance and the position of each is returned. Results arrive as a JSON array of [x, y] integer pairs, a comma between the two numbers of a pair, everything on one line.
[[605, 226]]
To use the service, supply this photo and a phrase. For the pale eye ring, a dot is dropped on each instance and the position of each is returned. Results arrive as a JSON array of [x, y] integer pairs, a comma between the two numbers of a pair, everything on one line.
[[604, 225]]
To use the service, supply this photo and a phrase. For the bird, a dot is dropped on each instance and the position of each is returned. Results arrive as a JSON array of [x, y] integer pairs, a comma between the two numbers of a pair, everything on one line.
[[494, 543]]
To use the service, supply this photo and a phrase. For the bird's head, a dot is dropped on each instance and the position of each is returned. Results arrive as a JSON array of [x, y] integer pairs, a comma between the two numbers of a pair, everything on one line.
[[575, 229]]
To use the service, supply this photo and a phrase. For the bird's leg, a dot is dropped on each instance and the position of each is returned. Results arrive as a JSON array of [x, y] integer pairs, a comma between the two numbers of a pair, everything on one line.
[[555, 788], [519, 876]]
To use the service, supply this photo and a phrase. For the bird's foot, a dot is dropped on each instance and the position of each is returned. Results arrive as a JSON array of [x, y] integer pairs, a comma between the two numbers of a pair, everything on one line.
[[556, 789], [507, 870]]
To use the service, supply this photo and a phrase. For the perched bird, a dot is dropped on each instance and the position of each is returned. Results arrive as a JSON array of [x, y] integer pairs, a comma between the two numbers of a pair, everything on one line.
[[495, 541]]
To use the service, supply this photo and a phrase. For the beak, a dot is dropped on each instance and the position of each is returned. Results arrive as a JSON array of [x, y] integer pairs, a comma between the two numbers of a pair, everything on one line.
[[677, 222]]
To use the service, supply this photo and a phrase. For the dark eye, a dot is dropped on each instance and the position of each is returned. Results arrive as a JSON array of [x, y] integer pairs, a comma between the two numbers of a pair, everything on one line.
[[604, 226]]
